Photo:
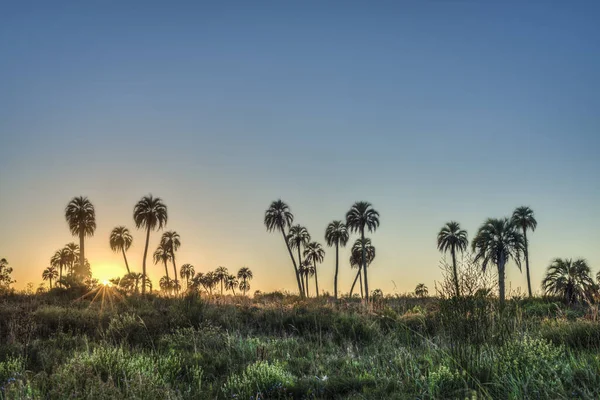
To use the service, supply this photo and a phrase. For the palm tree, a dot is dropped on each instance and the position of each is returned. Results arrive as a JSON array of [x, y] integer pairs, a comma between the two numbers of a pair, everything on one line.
[[245, 274], [170, 239], [149, 213], [187, 272], [569, 279], [278, 217], [307, 270], [120, 240], [361, 216], [162, 254], [523, 218], [356, 254], [452, 238], [497, 241], [50, 274], [59, 260], [314, 253], [231, 282], [297, 237], [72, 255], [81, 217], [421, 290], [166, 284], [336, 234], [197, 281], [221, 274]]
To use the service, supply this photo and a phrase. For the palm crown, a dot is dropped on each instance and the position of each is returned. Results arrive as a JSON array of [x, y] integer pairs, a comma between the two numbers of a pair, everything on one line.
[[451, 236], [523, 217], [314, 253], [298, 236], [356, 252], [361, 216], [278, 216], [120, 239], [336, 234], [568, 279], [150, 213], [81, 216]]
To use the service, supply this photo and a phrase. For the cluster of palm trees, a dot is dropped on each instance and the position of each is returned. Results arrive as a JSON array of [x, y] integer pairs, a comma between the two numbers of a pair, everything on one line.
[[359, 218], [209, 281], [66, 268]]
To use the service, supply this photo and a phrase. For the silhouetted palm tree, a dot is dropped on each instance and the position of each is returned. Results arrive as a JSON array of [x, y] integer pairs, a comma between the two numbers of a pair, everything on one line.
[[162, 254], [81, 217], [356, 254], [120, 240], [421, 290], [132, 281], [59, 260], [361, 216], [307, 270], [497, 241], [452, 238], [210, 280], [523, 218], [171, 240], [569, 279], [166, 284], [336, 234], [73, 256], [297, 237], [245, 274], [231, 282], [221, 274], [149, 213], [187, 272], [50, 274], [314, 254], [279, 217]]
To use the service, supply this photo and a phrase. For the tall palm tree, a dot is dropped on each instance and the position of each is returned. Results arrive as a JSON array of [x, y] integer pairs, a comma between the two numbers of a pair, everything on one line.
[[298, 237], [245, 274], [361, 216], [314, 254], [162, 254], [523, 218], [569, 279], [231, 282], [307, 270], [497, 241], [81, 217], [172, 241], [120, 240], [336, 234], [50, 274], [356, 254], [279, 217], [452, 237], [149, 213], [221, 274], [187, 272], [72, 250]]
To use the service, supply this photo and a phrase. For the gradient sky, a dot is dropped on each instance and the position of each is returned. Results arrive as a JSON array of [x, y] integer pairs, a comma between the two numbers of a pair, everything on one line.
[[432, 111]]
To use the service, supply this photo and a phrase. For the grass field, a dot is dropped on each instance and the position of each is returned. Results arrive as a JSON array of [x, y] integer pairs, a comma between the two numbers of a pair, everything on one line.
[[277, 346]]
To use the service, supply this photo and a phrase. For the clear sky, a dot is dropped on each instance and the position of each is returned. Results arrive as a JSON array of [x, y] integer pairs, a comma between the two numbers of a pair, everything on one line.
[[432, 111]]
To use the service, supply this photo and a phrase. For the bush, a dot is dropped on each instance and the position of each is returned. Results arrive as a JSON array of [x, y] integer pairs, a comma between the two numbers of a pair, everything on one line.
[[260, 380]]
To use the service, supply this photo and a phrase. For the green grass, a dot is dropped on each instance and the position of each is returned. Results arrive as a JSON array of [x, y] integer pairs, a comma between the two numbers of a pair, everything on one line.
[[278, 347]]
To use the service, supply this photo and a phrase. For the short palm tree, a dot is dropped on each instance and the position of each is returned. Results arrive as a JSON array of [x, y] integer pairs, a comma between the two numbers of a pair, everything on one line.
[[171, 241], [307, 270], [50, 274], [569, 279], [72, 250], [149, 213], [452, 237], [421, 290], [221, 274], [245, 275], [336, 234], [210, 280], [497, 242], [120, 240], [231, 282], [187, 272], [133, 280], [59, 260], [81, 217], [523, 218], [162, 254], [314, 254], [279, 217], [297, 238], [165, 284], [356, 259], [360, 217]]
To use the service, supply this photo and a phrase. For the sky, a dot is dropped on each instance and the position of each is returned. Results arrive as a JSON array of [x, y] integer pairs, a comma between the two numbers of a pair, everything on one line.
[[430, 110]]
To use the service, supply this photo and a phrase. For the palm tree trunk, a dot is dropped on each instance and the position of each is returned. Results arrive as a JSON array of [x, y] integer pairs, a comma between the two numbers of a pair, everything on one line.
[[81, 248], [221, 287], [126, 263], [362, 295], [364, 261], [60, 267], [337, 247], [174, 270], [456, 286], [355, 279], [50, 283], [166, 269], [307, 289], [501, 280], [316, 277], [293, 261], [527, 261], [300, 263], [144, 261]]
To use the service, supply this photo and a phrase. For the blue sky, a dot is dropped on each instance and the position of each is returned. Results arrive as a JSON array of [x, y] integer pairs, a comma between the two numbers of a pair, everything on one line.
[[431, 111]]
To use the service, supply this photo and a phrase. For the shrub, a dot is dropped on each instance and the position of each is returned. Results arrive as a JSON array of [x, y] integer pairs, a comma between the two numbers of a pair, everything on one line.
[[260, 380]]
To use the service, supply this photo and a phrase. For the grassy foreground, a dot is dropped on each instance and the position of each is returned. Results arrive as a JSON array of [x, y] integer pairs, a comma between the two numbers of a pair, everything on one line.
[[276, 347]]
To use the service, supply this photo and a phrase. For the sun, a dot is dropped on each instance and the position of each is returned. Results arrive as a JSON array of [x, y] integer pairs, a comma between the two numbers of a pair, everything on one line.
[[106, 283]]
